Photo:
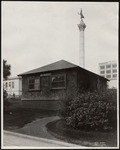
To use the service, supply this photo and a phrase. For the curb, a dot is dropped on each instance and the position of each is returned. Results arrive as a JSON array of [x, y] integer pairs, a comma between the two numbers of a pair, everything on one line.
[[40, 139], [84, 143]]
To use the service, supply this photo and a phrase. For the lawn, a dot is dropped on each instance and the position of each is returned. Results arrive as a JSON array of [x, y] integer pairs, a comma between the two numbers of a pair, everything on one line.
[[17, 118]]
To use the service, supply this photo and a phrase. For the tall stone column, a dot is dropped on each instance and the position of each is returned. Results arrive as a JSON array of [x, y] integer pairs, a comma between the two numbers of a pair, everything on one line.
[[81, 27]]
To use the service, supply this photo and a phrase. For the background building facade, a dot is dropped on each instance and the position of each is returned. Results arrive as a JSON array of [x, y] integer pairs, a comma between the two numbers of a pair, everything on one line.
[[109, 71], [13, 86]]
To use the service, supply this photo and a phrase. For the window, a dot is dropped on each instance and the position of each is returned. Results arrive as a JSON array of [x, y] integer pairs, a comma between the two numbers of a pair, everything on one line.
[[34, 84], [6, 84], [114, 75], [114, 65], [102, 72], [114, 71], [102, 67], [108, 71], [58, 81], [9, 84], [108, 76], [12, 84], [108, 66]]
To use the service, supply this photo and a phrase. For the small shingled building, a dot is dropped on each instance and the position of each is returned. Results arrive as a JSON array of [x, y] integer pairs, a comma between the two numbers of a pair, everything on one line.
[[49, 83]]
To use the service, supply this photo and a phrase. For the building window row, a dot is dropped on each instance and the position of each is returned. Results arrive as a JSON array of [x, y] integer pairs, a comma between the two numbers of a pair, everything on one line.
[[57, 82], [9, 84], [108, 66], [108, 71], [113, 76]]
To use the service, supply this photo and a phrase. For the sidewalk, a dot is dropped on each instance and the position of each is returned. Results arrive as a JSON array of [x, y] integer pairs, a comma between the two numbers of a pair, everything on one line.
[[16, 140]]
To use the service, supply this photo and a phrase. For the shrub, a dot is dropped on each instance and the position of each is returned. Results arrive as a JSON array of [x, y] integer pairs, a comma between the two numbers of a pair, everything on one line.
[[6, 103], [92, 110]]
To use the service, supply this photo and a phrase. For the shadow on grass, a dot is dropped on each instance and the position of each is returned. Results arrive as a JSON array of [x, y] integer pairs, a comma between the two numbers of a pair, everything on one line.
[[92, 139], [17, 118]]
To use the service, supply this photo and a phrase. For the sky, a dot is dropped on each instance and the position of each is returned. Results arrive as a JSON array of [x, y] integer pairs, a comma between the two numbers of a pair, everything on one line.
[[35, 34]]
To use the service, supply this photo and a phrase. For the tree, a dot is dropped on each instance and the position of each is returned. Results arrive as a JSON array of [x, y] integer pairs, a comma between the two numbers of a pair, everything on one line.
[[6, 69], [6, 73]]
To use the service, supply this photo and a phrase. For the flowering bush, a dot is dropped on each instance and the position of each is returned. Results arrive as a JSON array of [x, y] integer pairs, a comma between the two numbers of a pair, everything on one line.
[[91, 111]]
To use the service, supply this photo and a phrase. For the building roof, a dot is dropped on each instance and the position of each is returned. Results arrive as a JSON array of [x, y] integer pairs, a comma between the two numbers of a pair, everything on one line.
[[12, 78], [59, 65], [62, 64], [108, 62]]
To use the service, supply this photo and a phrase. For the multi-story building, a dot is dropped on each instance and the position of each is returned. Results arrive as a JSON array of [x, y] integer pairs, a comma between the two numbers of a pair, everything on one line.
[[109, 71], [13, 86]]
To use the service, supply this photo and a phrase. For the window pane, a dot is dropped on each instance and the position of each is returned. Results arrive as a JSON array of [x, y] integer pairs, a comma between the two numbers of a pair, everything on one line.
[[108, 76], [114, 65], [31, 80], [102, 72], [9, 84], [108, 66], [114, 71], [12, 84], [58, 78], [114, 75], [34, 84], [31, 86], [108, 71], [58, 81], [58, 84], [102, 67]]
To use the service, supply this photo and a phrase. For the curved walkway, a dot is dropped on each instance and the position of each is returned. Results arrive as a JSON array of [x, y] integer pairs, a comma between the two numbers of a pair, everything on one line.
[[30, 133], [37, 128]]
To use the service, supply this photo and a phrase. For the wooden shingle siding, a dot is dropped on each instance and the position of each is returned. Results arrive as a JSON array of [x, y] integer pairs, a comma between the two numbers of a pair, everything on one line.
[[46, 92]]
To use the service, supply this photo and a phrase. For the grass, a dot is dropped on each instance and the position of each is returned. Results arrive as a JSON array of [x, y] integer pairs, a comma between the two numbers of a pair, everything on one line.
[[93, 139], [17, 118]]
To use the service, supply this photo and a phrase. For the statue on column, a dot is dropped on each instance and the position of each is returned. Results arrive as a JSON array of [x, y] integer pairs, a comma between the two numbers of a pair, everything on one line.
[[81, 14]]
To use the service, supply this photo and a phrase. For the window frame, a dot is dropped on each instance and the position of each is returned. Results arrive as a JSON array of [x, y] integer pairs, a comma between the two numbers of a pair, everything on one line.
[[102, 72], [114, 70], [33, 78], [102, 67], [6, 84], [13, 85], [108, 71], [108, 77], [108, 66], [55, 75], [9, 84], [114, 76], [114, 65]]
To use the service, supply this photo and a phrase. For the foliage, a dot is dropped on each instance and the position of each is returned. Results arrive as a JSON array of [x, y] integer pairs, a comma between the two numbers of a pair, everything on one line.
[[6, 69], [91, 110], [6, 73], [6, 103]]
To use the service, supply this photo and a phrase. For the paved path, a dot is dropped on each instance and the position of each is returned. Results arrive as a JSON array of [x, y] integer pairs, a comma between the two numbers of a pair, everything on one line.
[[16, 140], [34, 134], [38, 128]]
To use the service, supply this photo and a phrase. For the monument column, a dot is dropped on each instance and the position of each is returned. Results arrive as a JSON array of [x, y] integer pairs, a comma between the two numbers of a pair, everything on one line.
[[81, 27]]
